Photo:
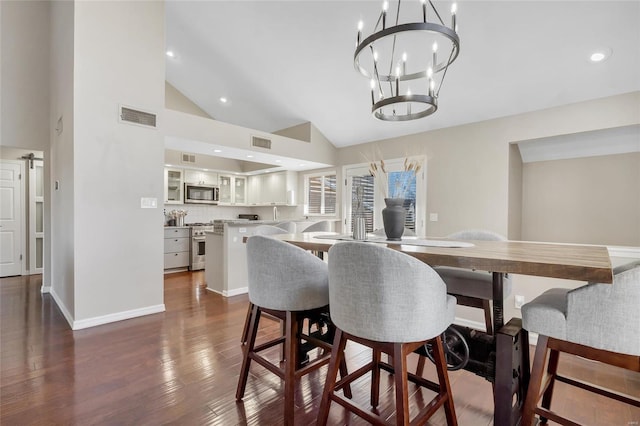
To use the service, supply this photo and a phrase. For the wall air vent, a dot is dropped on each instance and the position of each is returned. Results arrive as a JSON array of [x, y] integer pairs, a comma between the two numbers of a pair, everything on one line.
[[134, 116], [260, 142], [188, 158]]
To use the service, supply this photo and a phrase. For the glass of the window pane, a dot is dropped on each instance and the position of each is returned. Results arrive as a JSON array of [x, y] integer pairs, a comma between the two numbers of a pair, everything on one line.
[[403, 185], [362, 198], [39, 181]]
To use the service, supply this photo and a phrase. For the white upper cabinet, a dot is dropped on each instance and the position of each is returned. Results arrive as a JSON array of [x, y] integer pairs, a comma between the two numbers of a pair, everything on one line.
[[199, 177], [277, 189], [233, 190], [173, 186]]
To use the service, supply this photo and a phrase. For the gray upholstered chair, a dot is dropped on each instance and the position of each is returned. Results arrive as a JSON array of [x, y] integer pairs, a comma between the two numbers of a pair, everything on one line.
[[392, 303], [290, 284], [290, 227], [473, 288], [269, 230], [600, 322], [322, 226], [407, 232], [259, 230]]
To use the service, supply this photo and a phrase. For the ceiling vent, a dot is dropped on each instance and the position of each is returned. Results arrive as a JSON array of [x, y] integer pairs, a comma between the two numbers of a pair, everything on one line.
[[188, 158], [134, 116], [260, 142]]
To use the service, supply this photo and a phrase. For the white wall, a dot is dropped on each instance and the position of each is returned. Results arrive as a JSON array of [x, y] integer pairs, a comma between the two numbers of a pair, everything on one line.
[[191, 127], [24, 105], [591, 200], [24, 89], [61, 160], [119, 59]]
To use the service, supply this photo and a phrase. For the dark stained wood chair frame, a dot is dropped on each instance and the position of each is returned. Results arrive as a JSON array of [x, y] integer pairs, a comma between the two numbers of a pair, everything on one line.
[[398, 354], [542, 384], [291, 339]]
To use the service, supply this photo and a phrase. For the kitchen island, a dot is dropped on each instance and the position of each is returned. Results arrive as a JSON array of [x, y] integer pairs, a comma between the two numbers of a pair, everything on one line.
[[226, 260]]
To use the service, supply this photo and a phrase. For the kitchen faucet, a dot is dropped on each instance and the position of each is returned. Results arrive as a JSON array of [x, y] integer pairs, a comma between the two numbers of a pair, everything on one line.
[[275, 212]]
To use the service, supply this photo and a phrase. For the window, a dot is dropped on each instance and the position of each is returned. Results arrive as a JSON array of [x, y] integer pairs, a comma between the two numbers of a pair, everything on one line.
[[364, 196], [407, 181], [320, 194]]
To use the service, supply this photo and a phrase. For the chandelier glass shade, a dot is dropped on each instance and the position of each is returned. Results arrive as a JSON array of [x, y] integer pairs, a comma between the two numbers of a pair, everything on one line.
[[406, 60]]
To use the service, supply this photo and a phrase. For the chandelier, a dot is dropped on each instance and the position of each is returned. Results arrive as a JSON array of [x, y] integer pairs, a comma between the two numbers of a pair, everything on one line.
[[406, 62]]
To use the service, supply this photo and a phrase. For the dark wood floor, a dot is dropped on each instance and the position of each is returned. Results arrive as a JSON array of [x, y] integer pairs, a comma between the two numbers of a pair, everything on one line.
[[181, 367]]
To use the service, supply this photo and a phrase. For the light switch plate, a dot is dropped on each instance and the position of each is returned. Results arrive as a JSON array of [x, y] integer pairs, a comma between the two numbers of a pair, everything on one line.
[[148, 203], [433, 217]]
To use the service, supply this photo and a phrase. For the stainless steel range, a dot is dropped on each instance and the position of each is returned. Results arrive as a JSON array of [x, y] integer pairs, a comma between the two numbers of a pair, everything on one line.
[[197, 251]]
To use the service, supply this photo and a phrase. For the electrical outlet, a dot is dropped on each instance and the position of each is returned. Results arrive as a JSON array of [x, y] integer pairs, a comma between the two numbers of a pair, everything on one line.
[[518, 301], [433, 217]]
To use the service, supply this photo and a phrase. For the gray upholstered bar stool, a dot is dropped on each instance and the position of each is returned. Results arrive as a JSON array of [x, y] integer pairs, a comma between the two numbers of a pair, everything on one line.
[[259, 230], [470, 287], [473, 288], [290, 227], [290, 284], [321, 226], [392, 303], [600, 322]]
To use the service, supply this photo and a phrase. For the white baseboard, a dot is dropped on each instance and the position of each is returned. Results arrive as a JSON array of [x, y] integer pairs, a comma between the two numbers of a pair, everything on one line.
[[118, 316], [61, 306], [230, 293], [45, 289], [235, 291]]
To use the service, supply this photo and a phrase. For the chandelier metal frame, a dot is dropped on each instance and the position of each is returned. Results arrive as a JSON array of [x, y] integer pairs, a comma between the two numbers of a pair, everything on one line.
[[426, 104]]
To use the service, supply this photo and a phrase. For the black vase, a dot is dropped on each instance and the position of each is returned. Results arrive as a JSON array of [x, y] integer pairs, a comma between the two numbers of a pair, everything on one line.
[[393, 217]]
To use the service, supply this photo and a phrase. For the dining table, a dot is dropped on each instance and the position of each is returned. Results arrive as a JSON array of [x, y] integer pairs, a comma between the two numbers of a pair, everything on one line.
[[508, 366]]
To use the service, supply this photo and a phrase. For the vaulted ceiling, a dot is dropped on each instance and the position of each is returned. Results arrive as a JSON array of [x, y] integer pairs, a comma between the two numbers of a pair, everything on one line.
[[282, 63]]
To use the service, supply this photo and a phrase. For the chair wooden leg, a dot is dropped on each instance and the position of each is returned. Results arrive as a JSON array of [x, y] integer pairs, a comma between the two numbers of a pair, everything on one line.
[[552, 369], [402, 388], [420, 368], [486, 306], [344, 373], [375, 378], [245, 329], [443, 380], [535, 383], [252, 328], [290, 364], [337, 357]]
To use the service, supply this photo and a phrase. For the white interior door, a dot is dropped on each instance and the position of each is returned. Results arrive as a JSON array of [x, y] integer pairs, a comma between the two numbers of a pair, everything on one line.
[[10, 218]]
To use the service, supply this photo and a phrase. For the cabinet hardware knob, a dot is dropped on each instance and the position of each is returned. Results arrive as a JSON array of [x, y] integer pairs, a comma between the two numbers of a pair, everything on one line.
[[175, 254]]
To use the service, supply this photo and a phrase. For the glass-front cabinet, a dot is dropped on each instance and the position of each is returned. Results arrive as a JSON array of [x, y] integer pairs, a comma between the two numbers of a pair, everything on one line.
[[233, 189], [173, 186]]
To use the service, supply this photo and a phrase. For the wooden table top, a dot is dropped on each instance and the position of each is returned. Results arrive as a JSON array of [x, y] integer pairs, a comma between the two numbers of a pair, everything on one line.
[[568, 261]]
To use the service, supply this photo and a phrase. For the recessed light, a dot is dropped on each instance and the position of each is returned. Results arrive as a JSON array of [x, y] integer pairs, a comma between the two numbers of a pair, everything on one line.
[[217, 150], [171, 54], [600, 55], [249, 156], [223, 100], [301, 165], [278, 161]]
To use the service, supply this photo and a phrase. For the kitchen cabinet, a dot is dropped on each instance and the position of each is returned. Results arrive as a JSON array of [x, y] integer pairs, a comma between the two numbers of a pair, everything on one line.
[[176, 249], [233, 190], [273, 189], [200, 177], [173, 186]]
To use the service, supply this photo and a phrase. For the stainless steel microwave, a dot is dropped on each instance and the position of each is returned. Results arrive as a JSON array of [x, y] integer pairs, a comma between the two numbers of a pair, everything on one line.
[[200, 194]]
